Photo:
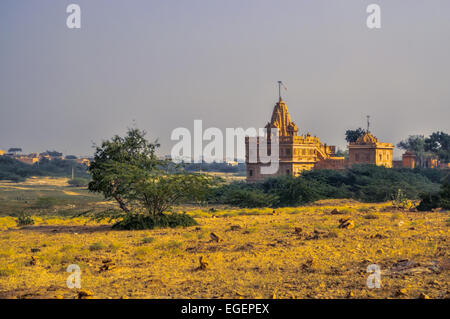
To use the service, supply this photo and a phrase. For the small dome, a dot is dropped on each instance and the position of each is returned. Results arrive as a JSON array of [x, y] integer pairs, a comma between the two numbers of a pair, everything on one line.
[[367, 138]]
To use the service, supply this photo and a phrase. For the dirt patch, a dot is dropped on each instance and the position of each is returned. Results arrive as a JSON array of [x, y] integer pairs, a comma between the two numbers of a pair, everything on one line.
[[55, 229]]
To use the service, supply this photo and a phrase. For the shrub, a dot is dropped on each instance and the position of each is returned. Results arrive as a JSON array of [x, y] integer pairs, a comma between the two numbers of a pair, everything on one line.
[[148, 240], [24, 220], [371, 216], [368, 183], [139, 221], [429, 201], [400, 201], [96, 246], [249, 198]]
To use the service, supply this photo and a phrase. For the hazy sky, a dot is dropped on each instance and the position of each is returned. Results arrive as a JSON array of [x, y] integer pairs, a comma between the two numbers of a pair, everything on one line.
[[165, 63]]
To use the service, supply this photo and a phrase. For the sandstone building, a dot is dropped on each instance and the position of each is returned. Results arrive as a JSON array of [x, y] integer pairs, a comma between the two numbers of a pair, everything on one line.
[[367, 150], [305, 152], [296, 153]]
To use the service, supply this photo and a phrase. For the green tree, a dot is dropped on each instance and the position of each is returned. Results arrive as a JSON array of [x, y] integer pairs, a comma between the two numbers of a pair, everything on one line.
[[438, 143], [415, 144], [445, 192], [15, 150], [342, 153], [127, 170], [352, 135]]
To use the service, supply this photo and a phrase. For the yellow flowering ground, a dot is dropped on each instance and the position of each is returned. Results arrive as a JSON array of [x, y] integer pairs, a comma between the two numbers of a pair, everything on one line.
[[295, 252], [261, 255]]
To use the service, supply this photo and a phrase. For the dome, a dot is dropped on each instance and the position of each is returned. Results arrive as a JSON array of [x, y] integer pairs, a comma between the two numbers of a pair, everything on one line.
[[367, 138]]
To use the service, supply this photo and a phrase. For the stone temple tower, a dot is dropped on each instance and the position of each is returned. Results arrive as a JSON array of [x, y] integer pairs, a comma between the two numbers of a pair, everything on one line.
[[296, 153]]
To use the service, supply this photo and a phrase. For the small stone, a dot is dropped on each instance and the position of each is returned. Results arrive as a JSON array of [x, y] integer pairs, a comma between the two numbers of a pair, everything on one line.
[[33, 261], [35, 250], [203, 263], [402, 292], [346, 223], [335, 212], [423, 296], [401, 223], [350, 294], [214, 237], [435, 283], [85, 294]]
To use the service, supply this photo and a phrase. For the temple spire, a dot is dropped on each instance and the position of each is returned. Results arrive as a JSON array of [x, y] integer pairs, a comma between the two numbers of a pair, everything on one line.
[[368, 123]]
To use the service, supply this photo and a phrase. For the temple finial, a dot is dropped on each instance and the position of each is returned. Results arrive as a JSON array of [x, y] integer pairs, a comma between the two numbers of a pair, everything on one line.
[[280, 84]]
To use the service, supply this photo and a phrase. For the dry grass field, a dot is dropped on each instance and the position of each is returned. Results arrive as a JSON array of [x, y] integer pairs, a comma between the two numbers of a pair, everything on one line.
[[295, 252]]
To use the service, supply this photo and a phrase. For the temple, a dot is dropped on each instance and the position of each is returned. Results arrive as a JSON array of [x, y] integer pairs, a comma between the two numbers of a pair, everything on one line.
[[305, 152]]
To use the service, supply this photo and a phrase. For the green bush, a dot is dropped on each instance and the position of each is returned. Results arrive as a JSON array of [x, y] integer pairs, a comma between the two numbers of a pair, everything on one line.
[[23, 220], [139, 221], [428, 202], [367, 183], [434, 200], [14, 170], [445, 193], [148, 240], [78, 182], [96, 246]]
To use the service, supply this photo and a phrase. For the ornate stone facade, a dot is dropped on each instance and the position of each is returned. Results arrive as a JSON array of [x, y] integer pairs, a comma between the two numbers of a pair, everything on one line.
[[367, 150], [306, 152], [296, 153]]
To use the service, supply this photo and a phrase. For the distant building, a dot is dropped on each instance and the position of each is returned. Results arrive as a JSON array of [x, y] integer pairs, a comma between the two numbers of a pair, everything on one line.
[[83, 161], [28, 159], [409, 159], [367, 150], [298, 153]]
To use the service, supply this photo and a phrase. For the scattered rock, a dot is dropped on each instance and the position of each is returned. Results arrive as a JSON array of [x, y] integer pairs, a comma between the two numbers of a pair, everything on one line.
[[107, 265], [435, 283], [410, 267], [214, 237], [298, 230], [402, 292], [33, 261], [336, 212], [203, 264], [308, 266], [35, 250], [346, 223], [85, 294], [198, 228], [350, 294], [400, 223], [245, 247], [378, 236], [235, 227], [423, 296]]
